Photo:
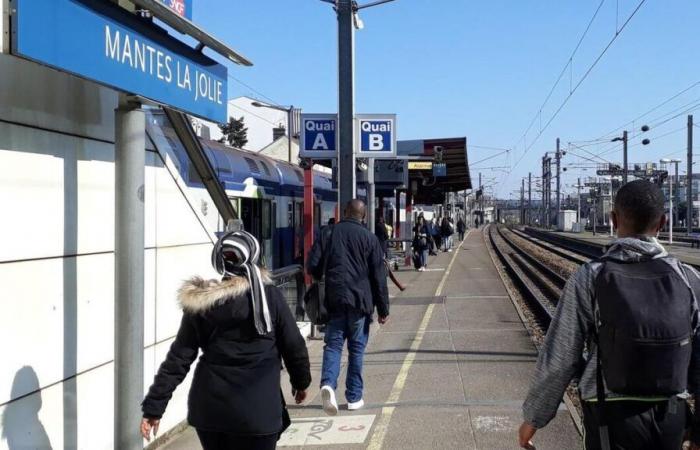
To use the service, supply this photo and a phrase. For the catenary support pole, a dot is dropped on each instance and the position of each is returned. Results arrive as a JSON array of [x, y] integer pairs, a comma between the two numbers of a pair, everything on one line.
[[522, 201], [558, 156], [578, 208], [624, 157], [529, 198], [130, 160], [670, 211], [689, 178], [346, 102]]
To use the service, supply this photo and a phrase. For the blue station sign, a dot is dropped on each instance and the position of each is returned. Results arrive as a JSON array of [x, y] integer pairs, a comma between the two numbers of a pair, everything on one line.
[[102, 42], [319, 136], [183, 8], [376, 135]]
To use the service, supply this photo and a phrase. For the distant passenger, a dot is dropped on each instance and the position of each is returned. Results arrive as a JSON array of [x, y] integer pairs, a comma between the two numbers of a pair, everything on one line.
[[420, 244], [355, 285], [381, 232], [244, 329], [446, 231], [461, 228], [644, 338]]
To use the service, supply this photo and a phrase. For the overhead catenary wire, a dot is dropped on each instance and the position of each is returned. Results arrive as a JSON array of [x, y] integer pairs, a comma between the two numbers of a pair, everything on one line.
[[580, 82]]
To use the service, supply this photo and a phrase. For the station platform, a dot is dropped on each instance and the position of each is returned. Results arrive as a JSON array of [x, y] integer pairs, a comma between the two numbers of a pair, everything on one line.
[[681, 250], [450, 370]]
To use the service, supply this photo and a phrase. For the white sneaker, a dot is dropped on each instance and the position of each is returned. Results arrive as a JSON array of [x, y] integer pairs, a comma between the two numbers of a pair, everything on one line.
[[330, 406], [354, 406], [449, 250]]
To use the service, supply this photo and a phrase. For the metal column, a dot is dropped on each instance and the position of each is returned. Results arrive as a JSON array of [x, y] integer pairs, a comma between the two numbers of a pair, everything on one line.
[[689, 178], [624, 159], [371, 202], [558, 155], [529, 198], [346, 102], [308, 214], [130, 160]]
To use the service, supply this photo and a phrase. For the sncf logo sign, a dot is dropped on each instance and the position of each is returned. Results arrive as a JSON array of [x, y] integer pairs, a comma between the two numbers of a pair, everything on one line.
[[181, 7]]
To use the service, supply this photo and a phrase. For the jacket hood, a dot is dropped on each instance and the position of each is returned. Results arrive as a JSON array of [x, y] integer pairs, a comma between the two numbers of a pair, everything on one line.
[[635, 249], [198, 295]]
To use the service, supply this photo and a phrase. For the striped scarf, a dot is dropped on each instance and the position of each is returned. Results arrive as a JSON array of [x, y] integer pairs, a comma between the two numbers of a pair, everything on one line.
[[236, 253]]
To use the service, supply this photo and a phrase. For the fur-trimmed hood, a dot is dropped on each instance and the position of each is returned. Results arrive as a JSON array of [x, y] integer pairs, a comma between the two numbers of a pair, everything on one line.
[[198, 295]]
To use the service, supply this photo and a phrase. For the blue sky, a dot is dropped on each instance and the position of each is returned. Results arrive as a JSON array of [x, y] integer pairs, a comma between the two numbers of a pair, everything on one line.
[[481, 69]]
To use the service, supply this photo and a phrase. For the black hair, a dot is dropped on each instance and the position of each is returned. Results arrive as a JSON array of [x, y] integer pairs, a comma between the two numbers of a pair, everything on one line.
[[331, 221], [640, 204]]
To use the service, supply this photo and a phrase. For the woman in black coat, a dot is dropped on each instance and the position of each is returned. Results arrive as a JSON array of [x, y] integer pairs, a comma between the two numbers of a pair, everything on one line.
[[244, 328]]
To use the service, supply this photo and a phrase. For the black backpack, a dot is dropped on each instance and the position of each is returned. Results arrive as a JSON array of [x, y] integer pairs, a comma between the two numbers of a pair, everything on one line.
[[644, 327]]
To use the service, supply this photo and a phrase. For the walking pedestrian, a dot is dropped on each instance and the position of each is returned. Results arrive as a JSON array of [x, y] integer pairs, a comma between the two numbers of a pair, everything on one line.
[[243, 326], [635, 312], [381, 232], [433, 234], [461, 228], [355, 285], [446, 231], [421, 243]]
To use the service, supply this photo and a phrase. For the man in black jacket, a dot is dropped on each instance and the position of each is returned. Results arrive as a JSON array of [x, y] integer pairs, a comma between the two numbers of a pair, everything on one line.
[[355, 285]]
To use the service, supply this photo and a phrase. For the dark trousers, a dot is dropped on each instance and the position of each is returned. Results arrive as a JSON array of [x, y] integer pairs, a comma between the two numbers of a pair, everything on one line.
[[636, 425], [212, 440]]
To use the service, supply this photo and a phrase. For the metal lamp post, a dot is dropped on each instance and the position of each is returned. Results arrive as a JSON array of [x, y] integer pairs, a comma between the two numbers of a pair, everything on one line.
[[670, 196], [290, 120]]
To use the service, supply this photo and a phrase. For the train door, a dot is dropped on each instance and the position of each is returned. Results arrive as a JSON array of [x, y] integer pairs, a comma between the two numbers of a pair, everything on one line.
[[257, 220]]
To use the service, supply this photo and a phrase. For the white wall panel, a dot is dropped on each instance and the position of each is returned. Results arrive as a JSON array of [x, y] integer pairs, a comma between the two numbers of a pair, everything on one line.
[[57, 316], [61, 191], [46, 98], [174, 265]]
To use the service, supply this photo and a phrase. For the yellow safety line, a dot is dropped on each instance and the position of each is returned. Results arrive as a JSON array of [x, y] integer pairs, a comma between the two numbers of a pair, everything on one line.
[[387, 411]]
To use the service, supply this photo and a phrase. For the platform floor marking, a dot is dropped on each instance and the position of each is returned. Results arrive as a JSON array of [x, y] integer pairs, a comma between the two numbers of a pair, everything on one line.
[[464, 297], [383, 424], [327, 431]]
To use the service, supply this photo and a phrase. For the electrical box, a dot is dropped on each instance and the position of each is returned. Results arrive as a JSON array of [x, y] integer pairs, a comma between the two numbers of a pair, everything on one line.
[[566, 220]]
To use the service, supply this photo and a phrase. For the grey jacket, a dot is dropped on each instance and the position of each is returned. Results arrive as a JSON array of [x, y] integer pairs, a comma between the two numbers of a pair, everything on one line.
[[563, 357]]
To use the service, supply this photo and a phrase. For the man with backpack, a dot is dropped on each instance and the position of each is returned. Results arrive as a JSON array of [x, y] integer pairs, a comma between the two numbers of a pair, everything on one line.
[[626, 328]]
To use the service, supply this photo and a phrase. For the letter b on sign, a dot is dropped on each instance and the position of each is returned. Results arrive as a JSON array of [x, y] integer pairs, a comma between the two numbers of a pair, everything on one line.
[[376, 135], [376, 142]]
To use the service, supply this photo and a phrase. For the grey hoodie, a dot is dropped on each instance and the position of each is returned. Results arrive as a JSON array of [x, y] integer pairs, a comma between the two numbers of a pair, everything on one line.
[[562, 358]]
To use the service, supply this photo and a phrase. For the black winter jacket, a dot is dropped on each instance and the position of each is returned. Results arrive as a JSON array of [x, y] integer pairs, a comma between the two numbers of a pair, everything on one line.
[[355, 272], [236, 385]]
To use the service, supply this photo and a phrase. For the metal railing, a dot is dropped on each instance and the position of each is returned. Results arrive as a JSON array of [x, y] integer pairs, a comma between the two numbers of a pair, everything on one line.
[[290, 280]]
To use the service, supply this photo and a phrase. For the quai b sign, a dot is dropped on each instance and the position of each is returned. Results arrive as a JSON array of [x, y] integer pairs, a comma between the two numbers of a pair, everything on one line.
[[376, 135], [102, 42]]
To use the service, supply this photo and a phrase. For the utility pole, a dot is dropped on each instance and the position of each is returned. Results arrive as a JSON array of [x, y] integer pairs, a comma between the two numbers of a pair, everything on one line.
[[529, 198], [522, 201], [624, 159], [542, 203], [558, 157], [346, 102], [689, 178], [578, 209]]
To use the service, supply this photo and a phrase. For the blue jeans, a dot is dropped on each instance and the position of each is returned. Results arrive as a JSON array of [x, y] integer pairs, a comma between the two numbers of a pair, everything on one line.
[[352, 326]]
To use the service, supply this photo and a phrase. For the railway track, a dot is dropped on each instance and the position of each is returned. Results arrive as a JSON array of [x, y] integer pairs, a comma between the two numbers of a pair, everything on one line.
[[539, 285]]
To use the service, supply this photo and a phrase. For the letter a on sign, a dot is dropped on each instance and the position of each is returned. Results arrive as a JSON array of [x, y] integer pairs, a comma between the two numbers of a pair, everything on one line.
[[320, 143]]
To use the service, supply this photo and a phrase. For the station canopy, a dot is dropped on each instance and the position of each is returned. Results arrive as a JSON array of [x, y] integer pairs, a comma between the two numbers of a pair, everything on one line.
[[426, 187]]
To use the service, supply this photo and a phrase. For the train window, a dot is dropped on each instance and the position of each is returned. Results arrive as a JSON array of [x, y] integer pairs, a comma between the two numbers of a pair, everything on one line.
[[265, 168], [299, 175], [290, 214], [266, 232], [252, 165]]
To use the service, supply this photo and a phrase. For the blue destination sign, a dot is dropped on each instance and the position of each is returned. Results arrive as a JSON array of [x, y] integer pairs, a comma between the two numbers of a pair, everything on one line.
[[377, 135], [103, 42], [183, 8], [319, 137]]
